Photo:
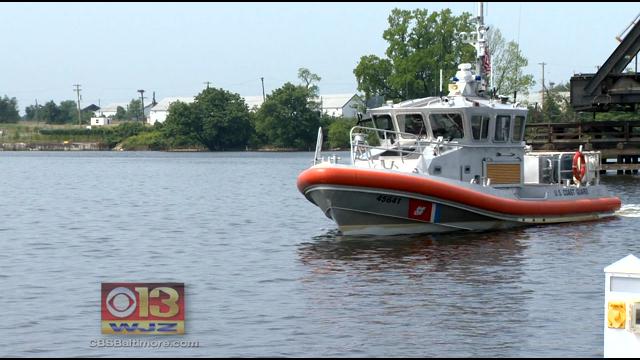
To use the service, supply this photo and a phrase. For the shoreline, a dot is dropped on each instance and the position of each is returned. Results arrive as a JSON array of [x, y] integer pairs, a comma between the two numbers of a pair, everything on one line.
[[95, 146]]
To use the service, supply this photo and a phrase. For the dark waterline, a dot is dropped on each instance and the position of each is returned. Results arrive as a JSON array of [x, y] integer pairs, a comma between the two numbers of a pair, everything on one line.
[[266, 274]]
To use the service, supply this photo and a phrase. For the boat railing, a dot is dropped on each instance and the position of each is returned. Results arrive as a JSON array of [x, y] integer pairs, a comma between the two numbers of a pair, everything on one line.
[[402, 144], [317, 157], [556, 167]]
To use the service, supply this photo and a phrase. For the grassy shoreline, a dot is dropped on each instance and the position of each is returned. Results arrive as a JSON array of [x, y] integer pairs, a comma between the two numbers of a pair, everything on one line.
[[33, 136]]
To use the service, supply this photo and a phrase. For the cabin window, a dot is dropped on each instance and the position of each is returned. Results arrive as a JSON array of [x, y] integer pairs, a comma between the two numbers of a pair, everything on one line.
[[503, 125], [480, 127], [518, 128], [449, 126], [412, 124], [384, 122]]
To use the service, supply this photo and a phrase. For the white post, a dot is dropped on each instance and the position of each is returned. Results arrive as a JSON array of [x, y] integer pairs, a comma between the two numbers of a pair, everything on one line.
[[491, 77], [440, 82], [622, 308]]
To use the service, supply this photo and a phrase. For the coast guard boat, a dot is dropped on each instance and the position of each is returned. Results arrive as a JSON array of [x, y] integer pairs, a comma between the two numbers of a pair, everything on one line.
[[451, 163]]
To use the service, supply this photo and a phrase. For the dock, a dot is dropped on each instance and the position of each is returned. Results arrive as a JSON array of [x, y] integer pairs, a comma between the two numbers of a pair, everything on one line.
[[618, 141]]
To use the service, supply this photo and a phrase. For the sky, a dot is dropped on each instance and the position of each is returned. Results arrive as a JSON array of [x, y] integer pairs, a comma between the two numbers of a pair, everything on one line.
[[114, 49]]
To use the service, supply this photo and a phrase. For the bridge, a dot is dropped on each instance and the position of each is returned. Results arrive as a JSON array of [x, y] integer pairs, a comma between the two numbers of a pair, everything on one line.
[[607, 89]]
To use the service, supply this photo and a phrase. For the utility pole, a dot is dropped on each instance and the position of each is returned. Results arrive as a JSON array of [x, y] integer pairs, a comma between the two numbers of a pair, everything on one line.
[[207, 83], [543, 64], [142, 102], [263, 97], [77, 86], [36, 114]]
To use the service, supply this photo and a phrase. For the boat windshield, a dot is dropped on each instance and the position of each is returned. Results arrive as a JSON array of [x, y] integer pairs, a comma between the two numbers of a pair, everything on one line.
[[384, 122], [449, 126], [412, 124], [518, 128], [480, 127], [503, 125]]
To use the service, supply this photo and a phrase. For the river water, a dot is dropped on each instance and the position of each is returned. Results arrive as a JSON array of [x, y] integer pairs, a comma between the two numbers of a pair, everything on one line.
[[266, 274]]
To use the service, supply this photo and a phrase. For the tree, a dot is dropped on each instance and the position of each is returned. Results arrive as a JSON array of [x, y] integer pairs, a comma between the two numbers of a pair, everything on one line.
[[373, 76], [218, 119], [419, 45], [65, 113], [50, 113], [309, 78], [68, 112], [289, 118], [134, 110], [339, 132], [86, 116], [552, 108], [120, 114], [9, 110], [508, 64], [32, 112]]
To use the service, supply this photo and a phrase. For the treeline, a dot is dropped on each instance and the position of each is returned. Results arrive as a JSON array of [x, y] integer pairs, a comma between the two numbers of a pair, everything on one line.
[[64, 113], [221, 120], [51, 113], [133, 112], [217, 120], [556, 108], [9, 110]]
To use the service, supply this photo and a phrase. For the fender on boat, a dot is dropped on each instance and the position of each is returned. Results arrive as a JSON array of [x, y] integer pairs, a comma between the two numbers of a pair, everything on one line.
[[427, 186]]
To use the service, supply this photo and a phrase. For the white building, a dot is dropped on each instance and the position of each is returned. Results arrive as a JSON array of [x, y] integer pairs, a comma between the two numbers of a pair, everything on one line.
[[253, 102], [345, 105], [333, 104], [147, 110], [110, 110], [100, 121], [534, 98], [159, 112]]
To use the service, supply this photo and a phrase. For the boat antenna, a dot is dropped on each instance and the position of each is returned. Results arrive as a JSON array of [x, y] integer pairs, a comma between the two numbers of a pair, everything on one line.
[[440, 83], [515, 90], [483, 62]]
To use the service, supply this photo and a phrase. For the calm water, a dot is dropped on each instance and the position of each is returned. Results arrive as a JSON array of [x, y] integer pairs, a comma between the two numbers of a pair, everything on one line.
[[266, 273]]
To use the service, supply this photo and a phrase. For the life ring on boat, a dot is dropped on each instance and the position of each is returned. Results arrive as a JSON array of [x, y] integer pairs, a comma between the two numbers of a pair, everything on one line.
[[579, 166]]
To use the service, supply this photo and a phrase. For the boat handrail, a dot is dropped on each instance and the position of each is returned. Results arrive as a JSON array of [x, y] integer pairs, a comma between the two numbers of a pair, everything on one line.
[[361, 149], [319, 140], [405, 135]]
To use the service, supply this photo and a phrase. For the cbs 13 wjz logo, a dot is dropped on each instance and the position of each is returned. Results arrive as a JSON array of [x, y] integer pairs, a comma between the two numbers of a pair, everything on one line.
[[142, 308]]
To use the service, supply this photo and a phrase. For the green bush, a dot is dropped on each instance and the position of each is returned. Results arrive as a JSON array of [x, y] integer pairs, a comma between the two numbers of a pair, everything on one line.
[[110, 135], [146, 141], [339, 133]]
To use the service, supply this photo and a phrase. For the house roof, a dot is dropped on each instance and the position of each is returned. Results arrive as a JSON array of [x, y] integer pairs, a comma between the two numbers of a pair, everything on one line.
[[92, 107], [335, 100], [164, 104], [113, 107]]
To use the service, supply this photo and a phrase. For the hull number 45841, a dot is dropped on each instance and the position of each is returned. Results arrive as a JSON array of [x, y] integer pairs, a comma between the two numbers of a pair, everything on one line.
[[389, 199]]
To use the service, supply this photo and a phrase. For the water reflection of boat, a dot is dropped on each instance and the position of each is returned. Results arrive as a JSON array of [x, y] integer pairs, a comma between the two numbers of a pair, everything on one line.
[[460, 294], [469, 257], [450, 163]]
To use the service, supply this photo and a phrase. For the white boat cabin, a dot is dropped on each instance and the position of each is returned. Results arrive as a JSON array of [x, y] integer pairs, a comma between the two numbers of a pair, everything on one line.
[[462, 136]]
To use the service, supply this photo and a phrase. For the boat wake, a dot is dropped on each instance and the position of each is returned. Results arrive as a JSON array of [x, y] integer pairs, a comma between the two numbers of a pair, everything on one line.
[[629, 210]]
